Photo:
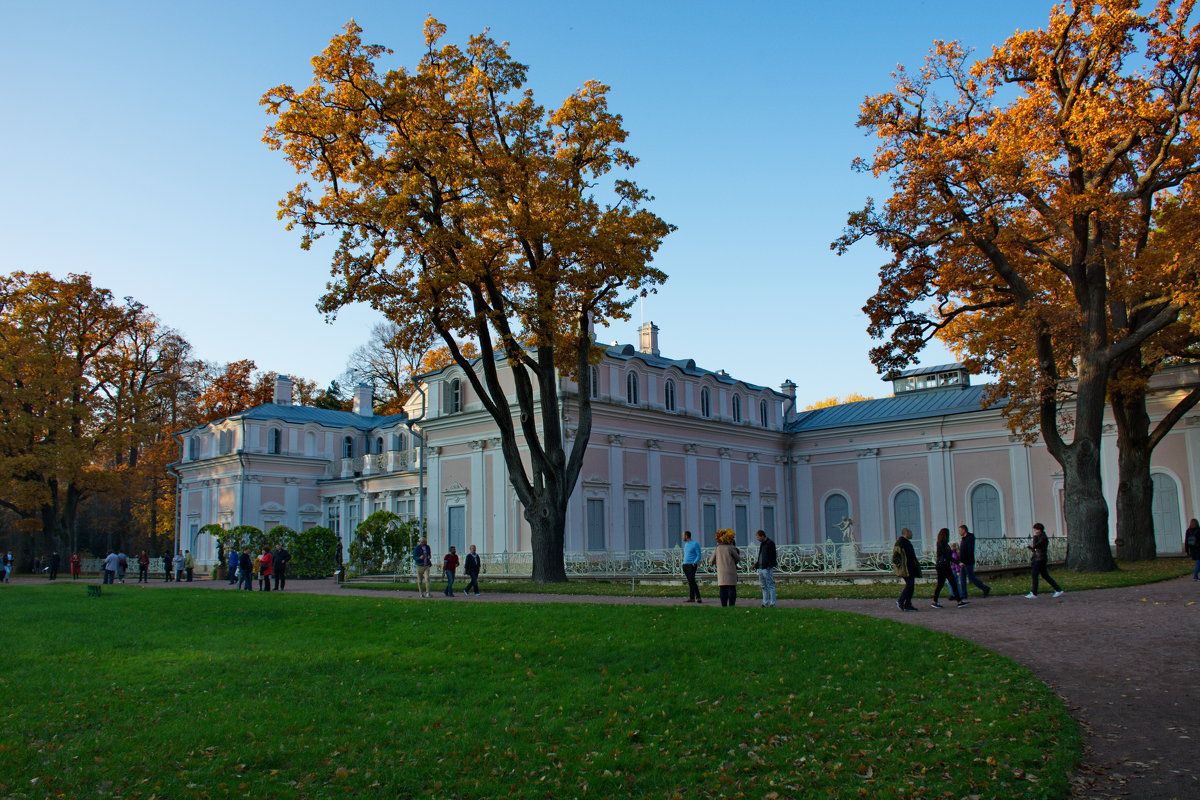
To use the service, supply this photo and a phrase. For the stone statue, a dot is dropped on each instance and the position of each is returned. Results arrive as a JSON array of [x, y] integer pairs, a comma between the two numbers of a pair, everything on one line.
[[846, 526]]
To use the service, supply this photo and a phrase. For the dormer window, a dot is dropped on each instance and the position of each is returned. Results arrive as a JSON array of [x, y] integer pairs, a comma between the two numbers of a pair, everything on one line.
[[705, 403], [379, 444], [348, 447], [191, 449], [398, 441], [274, 440], [669, 395], [949, 376], [453, 395], [595, 375], [737, 408], [631, 388], [763, 416]]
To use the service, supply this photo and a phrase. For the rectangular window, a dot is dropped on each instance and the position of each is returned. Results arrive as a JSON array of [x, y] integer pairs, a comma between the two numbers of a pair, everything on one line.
[[674, 524], [741, 525], [352, 514], [637, 525], [710, 525], [768, 521], [595, 524], [335, 520]]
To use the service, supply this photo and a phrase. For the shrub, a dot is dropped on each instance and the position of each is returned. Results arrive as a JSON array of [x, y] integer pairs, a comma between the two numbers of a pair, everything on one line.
[[314, 552], [383, 542]]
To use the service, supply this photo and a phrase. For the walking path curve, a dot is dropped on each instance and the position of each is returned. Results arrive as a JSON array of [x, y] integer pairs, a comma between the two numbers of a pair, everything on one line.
[[1124, 660]]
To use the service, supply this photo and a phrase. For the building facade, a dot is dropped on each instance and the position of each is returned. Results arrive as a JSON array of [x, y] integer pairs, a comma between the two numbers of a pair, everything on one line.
[[673, 447]]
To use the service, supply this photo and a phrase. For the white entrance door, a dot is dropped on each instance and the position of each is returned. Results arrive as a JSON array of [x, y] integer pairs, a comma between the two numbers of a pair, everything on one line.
[[1168, 528], [458, 530]]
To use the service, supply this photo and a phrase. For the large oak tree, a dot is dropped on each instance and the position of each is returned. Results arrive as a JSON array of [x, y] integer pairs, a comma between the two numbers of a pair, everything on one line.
[[461, 201], [1026, 221]]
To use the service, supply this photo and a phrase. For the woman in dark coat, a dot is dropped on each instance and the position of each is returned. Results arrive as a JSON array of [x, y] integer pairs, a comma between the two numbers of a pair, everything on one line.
[[945, 576]]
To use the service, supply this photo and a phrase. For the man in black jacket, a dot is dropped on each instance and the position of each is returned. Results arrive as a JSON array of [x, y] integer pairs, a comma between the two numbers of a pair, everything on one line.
[[966, 554], [766, 568], [472, 567], [279, 563], [905, 564]]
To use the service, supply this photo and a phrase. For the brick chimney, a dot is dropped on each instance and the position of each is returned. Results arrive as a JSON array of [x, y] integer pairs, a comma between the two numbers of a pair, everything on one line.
[[363, 395], [649, 338], [283, 390]]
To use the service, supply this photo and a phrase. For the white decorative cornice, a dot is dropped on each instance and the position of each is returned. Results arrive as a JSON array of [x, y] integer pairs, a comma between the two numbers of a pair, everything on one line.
[[723, 452], [494, 442], [652, 444], [616, 440], [292, 481], [455, 488], [690, 448], [942, 444], [477, 444], [867, 452], [752, 456]]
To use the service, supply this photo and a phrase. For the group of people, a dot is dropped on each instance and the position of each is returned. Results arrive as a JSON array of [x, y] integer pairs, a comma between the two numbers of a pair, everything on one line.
[[727, 558], [179, 567], [954, 566], [268, 567], [423, 561]]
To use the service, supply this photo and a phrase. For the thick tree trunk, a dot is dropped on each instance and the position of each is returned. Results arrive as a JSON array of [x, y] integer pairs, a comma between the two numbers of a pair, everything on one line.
[[547, 521], [1135, 489], [1085, 510]]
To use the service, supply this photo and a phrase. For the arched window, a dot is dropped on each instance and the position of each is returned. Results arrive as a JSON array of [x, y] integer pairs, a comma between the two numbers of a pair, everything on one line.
[[274, 441], [764, 415], [310, 444], [348, 447], [985, 511], [906, 511], [224, 442], [669, 395], [631, 388], [379, 444], [737, 408], [836, 507], [398, 442], [191, 449], [453, 395], [705, 403], [595, 372]]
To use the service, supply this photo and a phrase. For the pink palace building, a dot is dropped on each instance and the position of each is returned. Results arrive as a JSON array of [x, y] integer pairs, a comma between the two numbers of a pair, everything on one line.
[[674, 447]]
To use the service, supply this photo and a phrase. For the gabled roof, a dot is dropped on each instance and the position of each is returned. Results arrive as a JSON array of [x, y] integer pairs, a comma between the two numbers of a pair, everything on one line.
[[910, 405], [304, 414]]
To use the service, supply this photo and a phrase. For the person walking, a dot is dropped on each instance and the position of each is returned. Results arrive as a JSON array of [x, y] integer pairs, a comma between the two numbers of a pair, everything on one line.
[[279, 565], [110, 567], [189, 564], [178, 566], [765, 564], [1191, 545], [905, 565], [76, 566], [143, 567], [245, 571], [54, 561], [122, 566], [423, 560], [966, 555], [945, 575], [166, 559], [449, 566], [265, 569], [726, 557], [472, 565], [691, 562], [233, 565], [1038, 547]]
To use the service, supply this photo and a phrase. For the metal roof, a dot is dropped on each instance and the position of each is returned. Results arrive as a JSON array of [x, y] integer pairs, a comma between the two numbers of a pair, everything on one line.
[[906, 406], [685, 365], [928, 371], [321, 416]]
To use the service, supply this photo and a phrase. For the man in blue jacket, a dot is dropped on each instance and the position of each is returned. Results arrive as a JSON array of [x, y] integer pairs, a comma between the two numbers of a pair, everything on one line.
[[691, 561]]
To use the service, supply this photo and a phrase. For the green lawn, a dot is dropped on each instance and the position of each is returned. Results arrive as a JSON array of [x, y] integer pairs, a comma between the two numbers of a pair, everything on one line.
[[194, 693], [1131, 573]]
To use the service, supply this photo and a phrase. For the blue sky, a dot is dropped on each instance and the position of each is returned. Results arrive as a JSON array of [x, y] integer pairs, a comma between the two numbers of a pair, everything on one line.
[[132, 151]]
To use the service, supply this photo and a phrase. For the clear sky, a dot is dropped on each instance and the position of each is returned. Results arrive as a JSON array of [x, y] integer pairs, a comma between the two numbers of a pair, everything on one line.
[[132, 151]]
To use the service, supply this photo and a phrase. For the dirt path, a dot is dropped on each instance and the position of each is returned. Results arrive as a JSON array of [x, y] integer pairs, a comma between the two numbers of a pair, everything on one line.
[[1125, 661]]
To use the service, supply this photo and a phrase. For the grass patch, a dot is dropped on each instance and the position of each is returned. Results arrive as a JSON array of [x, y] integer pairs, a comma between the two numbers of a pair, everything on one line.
[[1130, 573], [186, 694]]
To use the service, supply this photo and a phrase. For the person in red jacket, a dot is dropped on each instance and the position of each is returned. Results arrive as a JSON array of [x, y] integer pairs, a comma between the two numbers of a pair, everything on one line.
[[266, 570], [76, 566], [449, 566]]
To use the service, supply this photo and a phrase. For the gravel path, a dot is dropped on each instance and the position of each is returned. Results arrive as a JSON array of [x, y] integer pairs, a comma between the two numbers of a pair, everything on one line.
[[1124, 660]]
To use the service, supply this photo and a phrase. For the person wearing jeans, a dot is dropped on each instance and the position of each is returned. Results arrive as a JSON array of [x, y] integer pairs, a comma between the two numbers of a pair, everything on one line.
[[726, 558], [966, 555], [766, 568], [906, 566], [691, 561], [449, 566]]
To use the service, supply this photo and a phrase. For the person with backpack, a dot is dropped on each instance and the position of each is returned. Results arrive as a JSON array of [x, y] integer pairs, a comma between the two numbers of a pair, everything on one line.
[[906, 566], [1191, 545]]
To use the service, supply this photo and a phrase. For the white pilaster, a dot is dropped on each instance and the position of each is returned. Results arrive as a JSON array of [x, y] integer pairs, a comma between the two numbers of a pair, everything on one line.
[[1022, 488], [725, 509], [477, 497], [656, 520], [617, 536], [870, 504], [806, 530], [691, 505]]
